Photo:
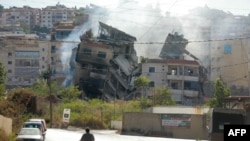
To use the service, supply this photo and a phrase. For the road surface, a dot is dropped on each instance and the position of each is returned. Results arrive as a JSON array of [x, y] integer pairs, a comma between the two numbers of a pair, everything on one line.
[[100, 135]]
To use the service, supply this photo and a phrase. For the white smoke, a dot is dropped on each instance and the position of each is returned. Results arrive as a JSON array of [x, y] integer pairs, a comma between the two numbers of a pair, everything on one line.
[[66, 48], [148, 23]]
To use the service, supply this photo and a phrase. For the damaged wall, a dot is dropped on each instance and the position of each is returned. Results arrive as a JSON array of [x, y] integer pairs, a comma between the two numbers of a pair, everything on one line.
[[106, 64]]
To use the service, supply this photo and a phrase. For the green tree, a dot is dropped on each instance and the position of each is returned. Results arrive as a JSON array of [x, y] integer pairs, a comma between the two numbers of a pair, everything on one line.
[[25, 27], [69, 94], [143, 59], [163, 97], [220, 92], [142, 82], [39, 29], [2, 80], [41, 87]]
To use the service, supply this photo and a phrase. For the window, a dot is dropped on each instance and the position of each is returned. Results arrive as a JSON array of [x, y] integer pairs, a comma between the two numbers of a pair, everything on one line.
[[29, 54], [174, 85], [173, 71], [9, 54], [53, 49], [101, 54], [43, 58], [227, 49], [84, 66], [152, 84], [9, 62], [87, 51], [43, 49], [151, 69], [9, 71]]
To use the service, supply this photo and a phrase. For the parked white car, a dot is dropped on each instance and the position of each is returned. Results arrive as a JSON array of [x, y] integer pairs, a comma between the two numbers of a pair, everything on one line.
[[30, 134]]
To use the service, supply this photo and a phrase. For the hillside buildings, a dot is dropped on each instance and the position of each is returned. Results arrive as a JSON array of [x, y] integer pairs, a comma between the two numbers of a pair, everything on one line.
[[108, 62], [24, 58], [45, 17], [53, 14]]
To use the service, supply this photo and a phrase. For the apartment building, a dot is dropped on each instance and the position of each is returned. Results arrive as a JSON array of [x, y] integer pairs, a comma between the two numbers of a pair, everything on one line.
[[53, 14], [106, 64], [182, 77], [24, 58], [229, 61], [27, 15]]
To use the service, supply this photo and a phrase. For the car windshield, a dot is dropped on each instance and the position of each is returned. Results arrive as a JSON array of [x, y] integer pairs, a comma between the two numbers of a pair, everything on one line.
[[31, 125], [29, 132]]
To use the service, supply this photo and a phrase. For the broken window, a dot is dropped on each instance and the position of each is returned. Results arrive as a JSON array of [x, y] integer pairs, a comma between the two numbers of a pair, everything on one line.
[[87, 51], [151, 69], [84, 66], [190, 72], [174, 85], [191, 85], [53, 49], [101, 54]]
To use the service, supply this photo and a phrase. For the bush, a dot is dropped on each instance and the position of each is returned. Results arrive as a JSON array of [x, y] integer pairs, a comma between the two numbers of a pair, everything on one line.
[[5, 137]]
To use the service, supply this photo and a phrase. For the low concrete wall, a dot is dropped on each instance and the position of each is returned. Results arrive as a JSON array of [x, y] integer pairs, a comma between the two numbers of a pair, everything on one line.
[[151, 124], [141, 121], [116, 125], [6, 124]]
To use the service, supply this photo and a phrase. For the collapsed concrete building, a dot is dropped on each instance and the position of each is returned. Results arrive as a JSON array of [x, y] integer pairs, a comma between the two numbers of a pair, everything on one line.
[[184, 78], [106, 64]]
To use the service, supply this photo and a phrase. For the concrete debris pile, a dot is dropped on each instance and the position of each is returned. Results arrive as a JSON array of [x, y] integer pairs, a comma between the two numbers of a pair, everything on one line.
[[106, 64]]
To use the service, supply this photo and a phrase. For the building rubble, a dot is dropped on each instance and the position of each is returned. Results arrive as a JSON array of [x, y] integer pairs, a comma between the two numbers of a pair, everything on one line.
[[106, 64], [174, 49]]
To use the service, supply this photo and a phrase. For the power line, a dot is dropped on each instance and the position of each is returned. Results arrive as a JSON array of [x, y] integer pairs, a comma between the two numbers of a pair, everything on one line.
[[161, 43]]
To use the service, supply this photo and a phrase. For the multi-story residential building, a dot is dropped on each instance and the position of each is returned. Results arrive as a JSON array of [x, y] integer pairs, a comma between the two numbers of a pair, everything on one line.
[[53, 14], [24, 58], [26, 15], [229, 62], [62, 30], [106, 65], [183, 77]]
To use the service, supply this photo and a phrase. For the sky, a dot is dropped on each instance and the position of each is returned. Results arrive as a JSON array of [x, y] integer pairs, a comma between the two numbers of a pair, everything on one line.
[[141, 22], [177, 7]]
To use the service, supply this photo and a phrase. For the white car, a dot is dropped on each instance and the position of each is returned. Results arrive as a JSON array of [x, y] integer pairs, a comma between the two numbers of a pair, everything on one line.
[[30, 134]]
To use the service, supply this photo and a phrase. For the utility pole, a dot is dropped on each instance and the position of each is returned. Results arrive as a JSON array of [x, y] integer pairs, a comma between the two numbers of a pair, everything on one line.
[[116, 92], [50, 95]]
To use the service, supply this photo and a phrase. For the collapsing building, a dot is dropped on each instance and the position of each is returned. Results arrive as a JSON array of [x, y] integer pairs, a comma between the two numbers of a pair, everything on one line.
[[107, 64], [183, 77], [193, 76]]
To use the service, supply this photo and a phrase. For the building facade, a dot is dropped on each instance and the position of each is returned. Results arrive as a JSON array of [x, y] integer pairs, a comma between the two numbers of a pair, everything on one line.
[[24, 58], [107, 64], [182, 77], [25, 15], [53, 14]]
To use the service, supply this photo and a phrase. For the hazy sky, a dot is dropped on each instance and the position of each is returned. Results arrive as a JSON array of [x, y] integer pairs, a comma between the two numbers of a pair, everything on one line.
[[177, 7]]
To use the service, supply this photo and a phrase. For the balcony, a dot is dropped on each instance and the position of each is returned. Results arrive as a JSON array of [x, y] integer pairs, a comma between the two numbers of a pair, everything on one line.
[[178, 93], [191, 93], [182, 77], [175, 77], [81, 58], [98, 75]]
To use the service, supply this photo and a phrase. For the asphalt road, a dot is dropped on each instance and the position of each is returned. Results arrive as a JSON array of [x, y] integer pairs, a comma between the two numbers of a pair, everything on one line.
[[100, 135]]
